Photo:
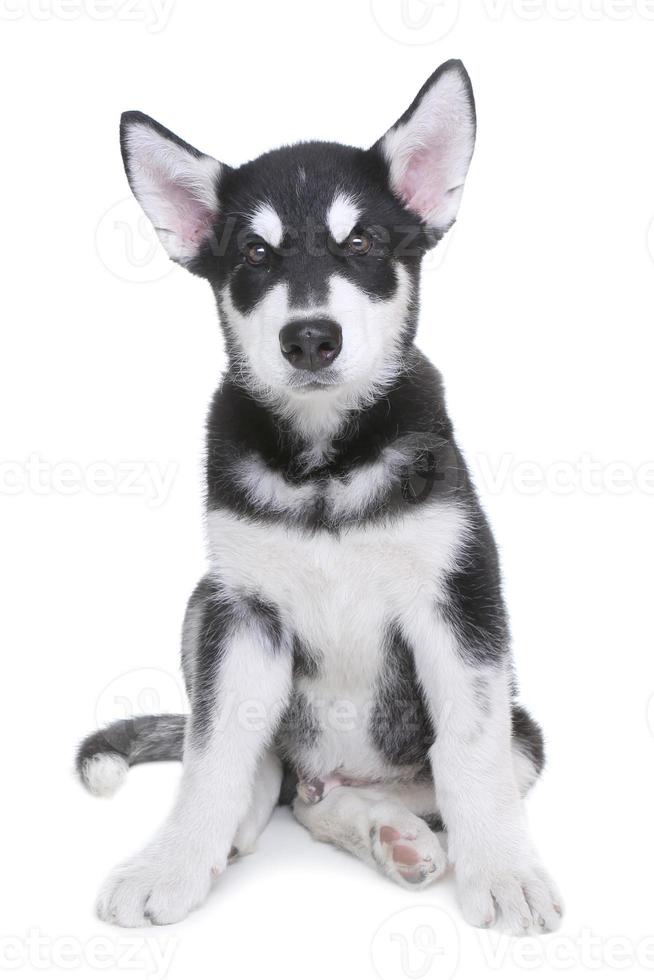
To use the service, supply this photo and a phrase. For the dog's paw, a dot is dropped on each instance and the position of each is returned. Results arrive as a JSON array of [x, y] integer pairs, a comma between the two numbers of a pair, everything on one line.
[[406, 849], [153, 889], [519, 902]]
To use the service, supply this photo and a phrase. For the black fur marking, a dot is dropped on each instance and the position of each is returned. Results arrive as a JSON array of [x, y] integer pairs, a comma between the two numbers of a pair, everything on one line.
[[196, 603], [400, 724], [475, 605], [288, 789], [528, 736], [266, 616], [216, 626], [306, 663], [221, 616], [297, 731], [482, 696], [434, 821]]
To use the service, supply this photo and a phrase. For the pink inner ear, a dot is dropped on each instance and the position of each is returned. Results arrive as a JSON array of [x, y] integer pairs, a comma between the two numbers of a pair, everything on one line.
[[423, 186], [191, 220]]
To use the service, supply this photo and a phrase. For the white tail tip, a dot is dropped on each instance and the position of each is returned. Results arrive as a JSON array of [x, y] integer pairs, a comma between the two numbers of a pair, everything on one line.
[[105, 773]]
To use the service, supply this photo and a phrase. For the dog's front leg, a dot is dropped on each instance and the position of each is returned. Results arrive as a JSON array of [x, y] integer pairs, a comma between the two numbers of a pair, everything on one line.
[[241, 685], [499, 878]]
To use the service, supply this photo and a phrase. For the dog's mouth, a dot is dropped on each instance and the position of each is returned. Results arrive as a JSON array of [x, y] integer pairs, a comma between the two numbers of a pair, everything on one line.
[[308, 381]]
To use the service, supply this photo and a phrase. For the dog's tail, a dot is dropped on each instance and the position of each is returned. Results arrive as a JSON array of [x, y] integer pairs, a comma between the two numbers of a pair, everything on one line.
[[104, 757]]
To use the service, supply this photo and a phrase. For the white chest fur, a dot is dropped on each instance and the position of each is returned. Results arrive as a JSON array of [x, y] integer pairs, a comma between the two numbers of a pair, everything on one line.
[[339, 592]]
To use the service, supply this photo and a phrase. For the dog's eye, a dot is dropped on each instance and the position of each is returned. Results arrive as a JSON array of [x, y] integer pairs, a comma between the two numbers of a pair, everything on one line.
[[358, 243], [256, 253]]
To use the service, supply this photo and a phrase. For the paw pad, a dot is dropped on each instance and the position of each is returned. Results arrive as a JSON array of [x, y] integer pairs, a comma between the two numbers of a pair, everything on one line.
[[410, 856]]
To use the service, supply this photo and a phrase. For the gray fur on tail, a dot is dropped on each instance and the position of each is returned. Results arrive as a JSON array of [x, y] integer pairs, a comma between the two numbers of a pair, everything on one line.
[[104, 757]]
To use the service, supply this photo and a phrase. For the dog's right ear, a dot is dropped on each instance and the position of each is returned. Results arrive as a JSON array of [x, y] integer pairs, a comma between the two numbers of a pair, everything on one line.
[[175, 184], [428, 150]]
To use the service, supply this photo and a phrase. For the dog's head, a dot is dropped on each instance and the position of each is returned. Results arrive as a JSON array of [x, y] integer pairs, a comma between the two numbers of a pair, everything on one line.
[[313, 250]]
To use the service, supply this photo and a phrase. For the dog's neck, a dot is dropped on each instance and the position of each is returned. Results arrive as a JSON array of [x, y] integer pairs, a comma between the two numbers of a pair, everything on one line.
[[379, 462], [339, 434]]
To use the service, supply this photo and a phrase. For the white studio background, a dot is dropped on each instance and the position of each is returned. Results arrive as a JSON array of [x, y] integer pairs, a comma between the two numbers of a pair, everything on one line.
[[538, 310]]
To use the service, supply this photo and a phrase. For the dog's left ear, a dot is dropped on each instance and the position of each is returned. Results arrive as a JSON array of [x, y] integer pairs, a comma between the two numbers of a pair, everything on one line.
[[429, 148], [175, 184]]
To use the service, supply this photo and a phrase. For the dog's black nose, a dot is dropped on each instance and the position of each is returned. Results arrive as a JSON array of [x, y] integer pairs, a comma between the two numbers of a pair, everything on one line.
[[311, 344]]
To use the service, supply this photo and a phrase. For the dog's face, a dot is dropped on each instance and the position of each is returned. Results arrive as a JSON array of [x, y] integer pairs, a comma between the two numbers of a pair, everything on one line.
[[314, 250]]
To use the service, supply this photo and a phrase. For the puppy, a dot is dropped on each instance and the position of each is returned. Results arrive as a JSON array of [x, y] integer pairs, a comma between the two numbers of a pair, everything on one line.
[[348, 649]]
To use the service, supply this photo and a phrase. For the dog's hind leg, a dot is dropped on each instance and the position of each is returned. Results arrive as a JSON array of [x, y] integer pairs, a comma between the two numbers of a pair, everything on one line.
[[265, 797], [380, 825]]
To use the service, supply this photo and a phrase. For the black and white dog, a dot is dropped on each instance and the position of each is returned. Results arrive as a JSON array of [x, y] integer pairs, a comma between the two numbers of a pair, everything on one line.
[[348, 650]]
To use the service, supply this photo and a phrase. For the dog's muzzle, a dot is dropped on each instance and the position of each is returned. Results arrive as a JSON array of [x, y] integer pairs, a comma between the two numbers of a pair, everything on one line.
[[311, 345]]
